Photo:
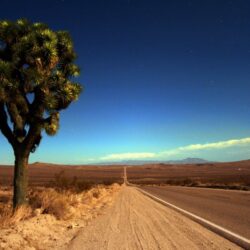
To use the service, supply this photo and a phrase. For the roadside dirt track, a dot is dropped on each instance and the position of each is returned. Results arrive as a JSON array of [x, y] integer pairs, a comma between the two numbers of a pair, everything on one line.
[[137, 222]]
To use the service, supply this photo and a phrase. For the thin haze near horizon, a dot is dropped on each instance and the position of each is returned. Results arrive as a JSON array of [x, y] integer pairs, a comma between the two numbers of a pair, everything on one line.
[[163, 79]]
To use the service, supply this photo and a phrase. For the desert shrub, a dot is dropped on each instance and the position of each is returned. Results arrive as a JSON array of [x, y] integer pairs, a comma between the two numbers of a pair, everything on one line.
[[62, 183], [82, 186], [62, 204], [9, 217], [108, 182], [50, 201], [57, 207]]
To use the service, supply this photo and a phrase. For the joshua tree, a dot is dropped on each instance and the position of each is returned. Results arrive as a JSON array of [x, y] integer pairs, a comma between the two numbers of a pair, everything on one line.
[[37, 73]]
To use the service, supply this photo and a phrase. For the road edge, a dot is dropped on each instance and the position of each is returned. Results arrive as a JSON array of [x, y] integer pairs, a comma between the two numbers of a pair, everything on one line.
[[233, 237]]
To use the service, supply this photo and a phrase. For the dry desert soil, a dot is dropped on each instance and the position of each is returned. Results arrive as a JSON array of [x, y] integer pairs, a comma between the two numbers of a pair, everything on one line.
[[233, 175], [123, 218], [137, 222]]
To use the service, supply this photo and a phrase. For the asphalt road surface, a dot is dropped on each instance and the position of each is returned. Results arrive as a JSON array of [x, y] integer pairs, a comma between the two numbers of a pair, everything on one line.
[[228, 209]]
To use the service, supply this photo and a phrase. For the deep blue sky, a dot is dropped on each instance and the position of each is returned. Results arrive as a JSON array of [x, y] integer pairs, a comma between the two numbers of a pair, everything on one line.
[[158, 75]]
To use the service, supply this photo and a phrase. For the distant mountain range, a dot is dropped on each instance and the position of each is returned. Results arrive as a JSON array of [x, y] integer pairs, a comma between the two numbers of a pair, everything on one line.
[[142, 162]]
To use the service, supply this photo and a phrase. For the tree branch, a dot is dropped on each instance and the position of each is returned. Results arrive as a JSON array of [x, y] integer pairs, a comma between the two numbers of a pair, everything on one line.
[[4, 127], [33, 137]]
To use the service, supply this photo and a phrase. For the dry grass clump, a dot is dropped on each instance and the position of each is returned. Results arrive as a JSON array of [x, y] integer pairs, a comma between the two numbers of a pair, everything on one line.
[[65, 199], [9, 217], [62, 204], [53, 217], [50, 201]]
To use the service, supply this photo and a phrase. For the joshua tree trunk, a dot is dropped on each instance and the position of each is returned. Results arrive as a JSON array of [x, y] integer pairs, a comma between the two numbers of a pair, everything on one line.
[[20, 177]]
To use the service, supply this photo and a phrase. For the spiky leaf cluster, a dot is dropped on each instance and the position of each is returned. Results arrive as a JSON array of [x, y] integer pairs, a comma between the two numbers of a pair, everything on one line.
[[35, 61]]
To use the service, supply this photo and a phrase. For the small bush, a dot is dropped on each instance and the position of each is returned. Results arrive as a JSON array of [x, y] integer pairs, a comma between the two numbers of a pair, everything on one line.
[[108, 182], [82, 186], [52, 202], [63, 183], [57, 207]]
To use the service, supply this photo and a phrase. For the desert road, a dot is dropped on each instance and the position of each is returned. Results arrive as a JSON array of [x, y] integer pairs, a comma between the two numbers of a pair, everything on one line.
[[136, 222], [228, 209]]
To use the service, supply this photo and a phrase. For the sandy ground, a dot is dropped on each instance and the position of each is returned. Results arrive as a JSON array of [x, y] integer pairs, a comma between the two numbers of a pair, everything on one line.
[[137, 222], [44, 231]]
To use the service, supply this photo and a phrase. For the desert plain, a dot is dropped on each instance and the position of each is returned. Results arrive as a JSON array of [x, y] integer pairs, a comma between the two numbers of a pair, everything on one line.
[[89, 207]]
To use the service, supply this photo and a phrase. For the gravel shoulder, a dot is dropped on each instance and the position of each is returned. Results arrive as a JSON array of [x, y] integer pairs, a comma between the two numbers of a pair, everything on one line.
[[137, 222]]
